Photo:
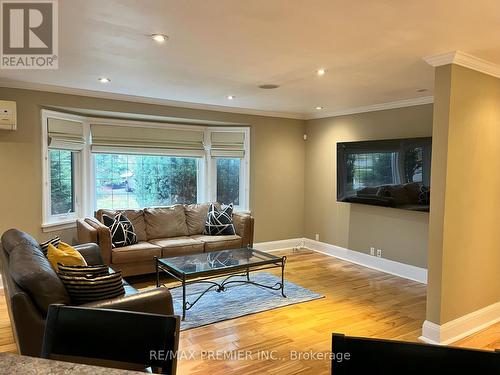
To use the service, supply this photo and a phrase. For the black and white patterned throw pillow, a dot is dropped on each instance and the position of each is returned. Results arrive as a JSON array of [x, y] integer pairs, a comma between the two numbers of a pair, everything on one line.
[[122, 230], [45, 245], [219, 222], [424, 195]]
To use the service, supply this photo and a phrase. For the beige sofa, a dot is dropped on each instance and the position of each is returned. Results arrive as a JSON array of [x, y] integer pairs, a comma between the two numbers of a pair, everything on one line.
[[162, 232]]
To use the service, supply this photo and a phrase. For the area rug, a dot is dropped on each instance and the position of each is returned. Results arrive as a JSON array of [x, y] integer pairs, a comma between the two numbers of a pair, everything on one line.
[[237, 300]]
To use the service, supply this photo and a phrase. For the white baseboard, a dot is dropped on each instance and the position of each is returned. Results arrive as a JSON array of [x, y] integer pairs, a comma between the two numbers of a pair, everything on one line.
[[279, 245], [432, 333], [459, 328], [381, 264]]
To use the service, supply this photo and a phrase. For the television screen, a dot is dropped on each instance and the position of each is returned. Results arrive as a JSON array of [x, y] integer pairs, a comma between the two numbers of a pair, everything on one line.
[[390, 173]]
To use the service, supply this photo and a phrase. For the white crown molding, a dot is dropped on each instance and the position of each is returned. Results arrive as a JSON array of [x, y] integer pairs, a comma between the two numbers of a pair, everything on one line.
[[465, 60], [374, 107], [145, 99], [459, 328], [212, 107], [380, 264]]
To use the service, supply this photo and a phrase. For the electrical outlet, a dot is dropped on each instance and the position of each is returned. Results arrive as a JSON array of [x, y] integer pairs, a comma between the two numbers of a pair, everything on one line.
[[372, 251], [379, 253], [317, 237]]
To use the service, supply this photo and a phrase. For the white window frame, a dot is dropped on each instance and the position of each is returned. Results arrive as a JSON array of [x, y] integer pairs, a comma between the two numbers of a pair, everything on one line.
[[244, 194], [84, 173], [62, 221]]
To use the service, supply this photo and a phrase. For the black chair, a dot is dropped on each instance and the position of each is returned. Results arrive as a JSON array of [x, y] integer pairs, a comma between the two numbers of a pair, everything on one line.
[[359, 355], [112, 338]]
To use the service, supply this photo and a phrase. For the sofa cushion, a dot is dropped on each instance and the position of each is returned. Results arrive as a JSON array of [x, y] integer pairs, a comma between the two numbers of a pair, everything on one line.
[[399, 194], [175, 246], [412, 191], [369, 190], [32, 271], [214, 243], [196, 214], [135, 253], [136, 217], [162, 222]]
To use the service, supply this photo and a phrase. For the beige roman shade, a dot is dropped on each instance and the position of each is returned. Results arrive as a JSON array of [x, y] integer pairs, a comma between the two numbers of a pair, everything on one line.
[[135, 139], [65, 134], [229, 144]]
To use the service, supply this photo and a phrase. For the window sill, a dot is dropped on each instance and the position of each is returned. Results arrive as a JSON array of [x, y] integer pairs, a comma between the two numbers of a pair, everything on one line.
[[58, 225]]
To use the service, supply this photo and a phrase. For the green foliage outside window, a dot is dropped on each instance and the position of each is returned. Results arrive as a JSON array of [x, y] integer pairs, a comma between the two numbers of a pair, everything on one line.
[[382, 168], [228, 181], [135, 181], [61, 182]]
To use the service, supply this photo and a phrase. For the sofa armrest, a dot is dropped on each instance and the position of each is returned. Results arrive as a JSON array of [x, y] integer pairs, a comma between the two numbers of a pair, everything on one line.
[[86, 233], [91, 252], [155, 301], [90, 228], [243, 225]]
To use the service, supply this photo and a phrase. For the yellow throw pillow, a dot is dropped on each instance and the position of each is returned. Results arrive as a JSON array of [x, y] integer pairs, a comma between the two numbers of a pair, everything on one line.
[[64, 254]]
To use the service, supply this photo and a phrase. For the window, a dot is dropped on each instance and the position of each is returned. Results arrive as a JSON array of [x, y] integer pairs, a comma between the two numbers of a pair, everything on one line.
[[383, 168], [63, 170], [93, 163], [373, 169], [135, 181], [62, 196], [228, 180]]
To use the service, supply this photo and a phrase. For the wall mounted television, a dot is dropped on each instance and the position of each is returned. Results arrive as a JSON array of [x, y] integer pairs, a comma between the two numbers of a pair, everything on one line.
[[390, 173]]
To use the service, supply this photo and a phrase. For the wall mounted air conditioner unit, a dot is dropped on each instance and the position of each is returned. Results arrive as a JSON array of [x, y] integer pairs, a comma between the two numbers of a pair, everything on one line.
[[8, 115]]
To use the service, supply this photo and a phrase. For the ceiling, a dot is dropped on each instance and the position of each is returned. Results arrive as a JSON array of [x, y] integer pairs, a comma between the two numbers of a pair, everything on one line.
[[372, 50]]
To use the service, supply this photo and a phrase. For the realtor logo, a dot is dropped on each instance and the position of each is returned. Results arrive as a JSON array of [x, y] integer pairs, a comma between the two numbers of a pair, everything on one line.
[[29, 34]]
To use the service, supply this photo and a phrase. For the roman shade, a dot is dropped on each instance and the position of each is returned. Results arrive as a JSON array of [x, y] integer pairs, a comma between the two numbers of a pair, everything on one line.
[[139, 140], [229, 144], [65, 134]]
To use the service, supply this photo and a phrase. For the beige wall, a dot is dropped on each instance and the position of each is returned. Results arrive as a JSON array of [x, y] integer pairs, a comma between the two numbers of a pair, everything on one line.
[[464, 238], [277, 162], [402, 235]]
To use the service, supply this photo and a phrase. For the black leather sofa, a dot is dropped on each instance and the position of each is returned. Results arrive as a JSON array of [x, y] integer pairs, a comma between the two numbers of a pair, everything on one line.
[[413, 196], [31, 286]]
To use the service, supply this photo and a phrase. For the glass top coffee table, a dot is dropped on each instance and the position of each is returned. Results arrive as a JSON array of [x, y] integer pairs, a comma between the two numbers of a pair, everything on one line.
[[203, 268]]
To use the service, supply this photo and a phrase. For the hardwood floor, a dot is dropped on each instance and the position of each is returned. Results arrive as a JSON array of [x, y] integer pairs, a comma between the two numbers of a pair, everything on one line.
[[358, 301]]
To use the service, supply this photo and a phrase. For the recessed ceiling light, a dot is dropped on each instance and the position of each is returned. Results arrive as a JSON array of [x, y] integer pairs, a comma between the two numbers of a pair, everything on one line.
[[230, 97], [321, 71], [319, 108], [104, 80], [160, 38], [268, 86]]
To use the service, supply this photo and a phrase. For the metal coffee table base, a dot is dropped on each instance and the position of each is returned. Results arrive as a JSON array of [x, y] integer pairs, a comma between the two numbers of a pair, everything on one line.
[[219, 286]]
